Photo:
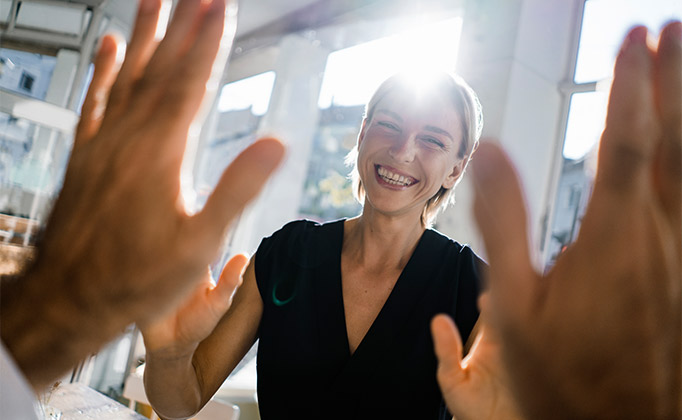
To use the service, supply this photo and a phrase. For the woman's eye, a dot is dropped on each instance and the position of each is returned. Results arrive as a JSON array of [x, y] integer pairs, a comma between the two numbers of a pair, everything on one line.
[[389, 125], [434, 141]]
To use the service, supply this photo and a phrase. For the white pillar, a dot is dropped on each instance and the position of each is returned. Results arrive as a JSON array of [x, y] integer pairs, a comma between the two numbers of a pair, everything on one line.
[[62, 77], [293, 117], [534, 111], [522, 104], [486, 54]]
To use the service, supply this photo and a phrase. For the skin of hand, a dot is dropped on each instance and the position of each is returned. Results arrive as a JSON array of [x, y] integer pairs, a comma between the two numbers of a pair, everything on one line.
[[474, 387], [191, 352], [180, 332], [599, 335], [119, 246]]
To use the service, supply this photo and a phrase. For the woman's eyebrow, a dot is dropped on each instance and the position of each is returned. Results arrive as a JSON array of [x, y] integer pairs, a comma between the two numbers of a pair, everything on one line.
[[390, 114], [438, 130]]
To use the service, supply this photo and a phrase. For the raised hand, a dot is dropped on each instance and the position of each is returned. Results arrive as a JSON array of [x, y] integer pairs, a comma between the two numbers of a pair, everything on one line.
[[475, 387], [181, 331], [599, 336], [119, 246]]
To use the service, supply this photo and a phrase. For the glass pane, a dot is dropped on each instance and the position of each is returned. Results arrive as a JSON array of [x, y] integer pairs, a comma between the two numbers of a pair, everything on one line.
[[573, 194], [328, 192], [586, 117], [252, 92], [605, 23], [26, 73], [32, 163], [352, 74], [241, 105]]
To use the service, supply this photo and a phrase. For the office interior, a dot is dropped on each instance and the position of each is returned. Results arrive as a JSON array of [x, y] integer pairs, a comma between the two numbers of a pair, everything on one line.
[[302, 70]]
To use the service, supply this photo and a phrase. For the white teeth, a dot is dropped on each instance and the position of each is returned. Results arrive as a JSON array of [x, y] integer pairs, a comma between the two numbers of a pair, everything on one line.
[[393, 178]]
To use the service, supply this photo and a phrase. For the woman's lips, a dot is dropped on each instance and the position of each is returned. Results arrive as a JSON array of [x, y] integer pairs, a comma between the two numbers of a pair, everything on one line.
[[392, 177]]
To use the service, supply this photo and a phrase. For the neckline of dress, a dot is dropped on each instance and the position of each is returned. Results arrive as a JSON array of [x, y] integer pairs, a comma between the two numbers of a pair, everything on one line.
[[397, 290]]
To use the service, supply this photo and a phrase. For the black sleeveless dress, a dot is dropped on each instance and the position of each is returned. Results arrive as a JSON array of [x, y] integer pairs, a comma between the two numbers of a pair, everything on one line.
[[305, 369]]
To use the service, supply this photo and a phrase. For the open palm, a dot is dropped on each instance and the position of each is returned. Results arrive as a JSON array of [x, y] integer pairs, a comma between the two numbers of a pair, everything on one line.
[[474, 387], [196, 318]]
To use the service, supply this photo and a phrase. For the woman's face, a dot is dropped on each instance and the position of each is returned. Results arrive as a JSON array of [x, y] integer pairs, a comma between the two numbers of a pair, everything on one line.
[[407, 151]]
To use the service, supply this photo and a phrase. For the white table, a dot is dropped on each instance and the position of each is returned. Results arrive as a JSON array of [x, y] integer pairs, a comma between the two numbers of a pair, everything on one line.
[[80, 402]]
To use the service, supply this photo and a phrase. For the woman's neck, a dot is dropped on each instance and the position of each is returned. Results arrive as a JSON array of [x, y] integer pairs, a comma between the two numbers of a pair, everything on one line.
[[378, 242]]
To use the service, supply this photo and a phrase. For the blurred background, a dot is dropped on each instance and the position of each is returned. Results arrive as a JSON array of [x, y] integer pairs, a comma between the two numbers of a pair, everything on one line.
[[303, 70]]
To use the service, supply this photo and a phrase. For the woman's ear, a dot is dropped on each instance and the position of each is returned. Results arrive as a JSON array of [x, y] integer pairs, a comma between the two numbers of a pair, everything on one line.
[[452, 178]]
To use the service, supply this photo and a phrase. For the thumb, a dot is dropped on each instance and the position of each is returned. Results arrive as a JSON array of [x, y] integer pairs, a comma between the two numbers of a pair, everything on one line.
[[239, 184], [448, 347], [230, 279]]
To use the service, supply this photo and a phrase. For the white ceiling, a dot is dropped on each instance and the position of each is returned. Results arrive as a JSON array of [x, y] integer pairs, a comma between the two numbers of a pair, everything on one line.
[[253, 14], [260, 22]]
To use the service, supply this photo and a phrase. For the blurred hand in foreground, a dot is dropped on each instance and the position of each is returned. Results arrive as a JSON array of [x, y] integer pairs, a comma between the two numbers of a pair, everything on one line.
[[599, 335], [119, 246]]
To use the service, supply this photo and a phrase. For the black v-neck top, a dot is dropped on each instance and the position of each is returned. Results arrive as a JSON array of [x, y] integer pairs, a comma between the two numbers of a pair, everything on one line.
[[305, 369]]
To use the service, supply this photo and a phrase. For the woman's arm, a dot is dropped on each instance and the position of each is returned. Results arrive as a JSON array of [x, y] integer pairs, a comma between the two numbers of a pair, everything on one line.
[[187, 358]]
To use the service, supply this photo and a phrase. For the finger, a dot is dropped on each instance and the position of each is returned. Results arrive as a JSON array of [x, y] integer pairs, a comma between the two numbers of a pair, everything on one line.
[[625, 154], [181, 28], [668, 85], [188, 84], [106, 66], [501, 217], [238, 185], [142, 44], [230, 280], [448, 347]]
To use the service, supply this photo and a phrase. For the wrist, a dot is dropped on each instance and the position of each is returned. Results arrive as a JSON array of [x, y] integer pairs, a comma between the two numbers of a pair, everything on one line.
[[175, 353], [47, 328]]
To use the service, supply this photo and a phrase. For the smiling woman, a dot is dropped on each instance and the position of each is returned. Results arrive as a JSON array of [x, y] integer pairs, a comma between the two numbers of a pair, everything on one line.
[[429, 102]]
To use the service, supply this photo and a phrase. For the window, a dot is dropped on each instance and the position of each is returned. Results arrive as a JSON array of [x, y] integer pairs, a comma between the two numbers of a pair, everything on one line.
[[26, 82], [604, 25], [241, 104], [26, 73], [249, 93]]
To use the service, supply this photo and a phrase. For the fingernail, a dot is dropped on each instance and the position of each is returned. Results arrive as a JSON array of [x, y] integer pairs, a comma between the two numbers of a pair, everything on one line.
[[673, 31]]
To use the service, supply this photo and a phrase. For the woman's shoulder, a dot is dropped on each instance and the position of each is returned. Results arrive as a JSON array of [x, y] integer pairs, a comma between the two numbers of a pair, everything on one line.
[[306, 228], [450, 246], [304, 239], [459, 260]]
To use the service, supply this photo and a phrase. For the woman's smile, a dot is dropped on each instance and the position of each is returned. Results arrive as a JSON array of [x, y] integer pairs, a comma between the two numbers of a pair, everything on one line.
[[392, 178]]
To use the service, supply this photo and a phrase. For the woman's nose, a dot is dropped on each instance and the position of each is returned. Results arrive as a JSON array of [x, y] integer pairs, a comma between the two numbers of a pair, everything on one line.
[[404, 149]]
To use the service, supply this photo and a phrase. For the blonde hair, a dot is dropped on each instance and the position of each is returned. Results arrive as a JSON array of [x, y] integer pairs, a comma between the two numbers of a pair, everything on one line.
[[467, 105]]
